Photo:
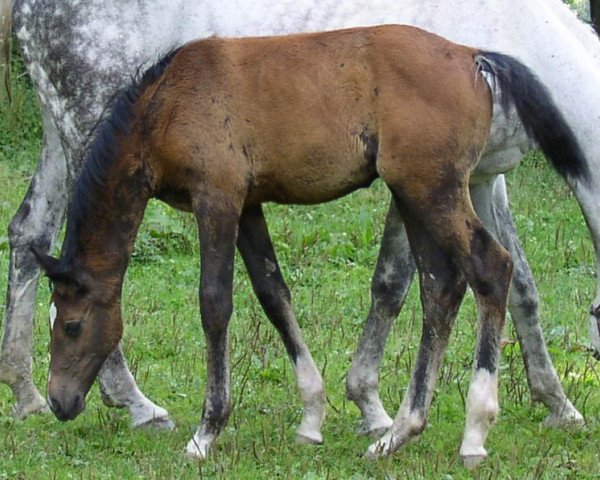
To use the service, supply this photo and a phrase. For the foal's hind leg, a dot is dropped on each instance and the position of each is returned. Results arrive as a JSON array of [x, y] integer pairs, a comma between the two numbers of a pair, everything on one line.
[[491, 203], [442, 205], [391, 281], [442, 289], [257, 251], [487, 267]]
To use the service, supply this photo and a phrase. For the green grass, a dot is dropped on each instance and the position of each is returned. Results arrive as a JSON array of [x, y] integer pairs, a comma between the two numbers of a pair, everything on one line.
[[327, 254]]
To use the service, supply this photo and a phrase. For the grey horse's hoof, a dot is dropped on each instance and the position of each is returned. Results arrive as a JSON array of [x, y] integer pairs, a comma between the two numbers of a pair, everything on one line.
[[565, 419], [37, 407], [314, 439], [471, 462], [374, 430], [158, 423]]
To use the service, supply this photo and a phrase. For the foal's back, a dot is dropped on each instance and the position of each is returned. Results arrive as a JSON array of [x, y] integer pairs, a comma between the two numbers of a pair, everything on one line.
[[308, 118]]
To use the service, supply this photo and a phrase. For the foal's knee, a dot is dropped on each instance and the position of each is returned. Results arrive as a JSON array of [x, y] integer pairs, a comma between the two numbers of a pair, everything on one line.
[[502, 269], [442, 290], [215, 307], [273, 299]]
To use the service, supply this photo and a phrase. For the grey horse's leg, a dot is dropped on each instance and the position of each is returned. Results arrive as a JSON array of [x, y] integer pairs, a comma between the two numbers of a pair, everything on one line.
[[391, 281], [118, 389], [491, 202], [37, 222]]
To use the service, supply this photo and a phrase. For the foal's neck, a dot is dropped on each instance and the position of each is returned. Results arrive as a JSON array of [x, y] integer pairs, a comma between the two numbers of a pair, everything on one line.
[[101, 232]]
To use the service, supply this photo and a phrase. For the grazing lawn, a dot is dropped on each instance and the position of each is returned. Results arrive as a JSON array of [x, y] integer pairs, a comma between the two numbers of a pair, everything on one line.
[[327, 253]]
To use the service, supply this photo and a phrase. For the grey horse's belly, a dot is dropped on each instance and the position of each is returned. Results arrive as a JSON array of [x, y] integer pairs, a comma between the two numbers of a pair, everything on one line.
[[507, 144]]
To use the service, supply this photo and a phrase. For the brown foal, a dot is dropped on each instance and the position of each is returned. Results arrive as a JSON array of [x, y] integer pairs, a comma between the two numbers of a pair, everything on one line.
[[220, 126]]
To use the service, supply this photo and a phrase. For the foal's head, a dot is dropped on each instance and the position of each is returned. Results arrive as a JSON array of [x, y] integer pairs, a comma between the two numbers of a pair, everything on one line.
[[104, 214], [85, 327]]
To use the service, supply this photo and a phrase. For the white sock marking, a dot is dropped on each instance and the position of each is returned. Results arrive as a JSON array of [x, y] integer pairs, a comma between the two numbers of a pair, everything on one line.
[[312, 393], [482, 408]]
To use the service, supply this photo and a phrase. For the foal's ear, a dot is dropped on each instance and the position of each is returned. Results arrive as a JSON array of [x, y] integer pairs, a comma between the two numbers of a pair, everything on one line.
[[48, 263], [58, 274]]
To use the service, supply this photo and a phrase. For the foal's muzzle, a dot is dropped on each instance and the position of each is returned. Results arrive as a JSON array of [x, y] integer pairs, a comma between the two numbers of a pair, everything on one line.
[[66, 409]]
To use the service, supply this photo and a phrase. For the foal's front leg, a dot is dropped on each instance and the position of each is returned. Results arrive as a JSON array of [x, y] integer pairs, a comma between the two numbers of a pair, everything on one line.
[[259, 257], [217, 228]]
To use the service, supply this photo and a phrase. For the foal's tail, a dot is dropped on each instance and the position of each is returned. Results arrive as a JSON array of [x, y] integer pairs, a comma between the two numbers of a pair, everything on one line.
[[540, 116], [5, 44]]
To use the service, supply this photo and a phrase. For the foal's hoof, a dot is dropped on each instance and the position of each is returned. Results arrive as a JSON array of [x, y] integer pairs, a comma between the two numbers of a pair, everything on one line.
[[159, 423], [197, 449], [309, 438], [471, 462], [381, 448], [195, 454]]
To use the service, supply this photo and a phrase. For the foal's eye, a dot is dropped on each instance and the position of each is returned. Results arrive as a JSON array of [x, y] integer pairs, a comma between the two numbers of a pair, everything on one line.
[[73, 328]]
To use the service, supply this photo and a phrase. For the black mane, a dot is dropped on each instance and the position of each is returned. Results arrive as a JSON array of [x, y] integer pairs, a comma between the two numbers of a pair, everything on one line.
[[103, 153]]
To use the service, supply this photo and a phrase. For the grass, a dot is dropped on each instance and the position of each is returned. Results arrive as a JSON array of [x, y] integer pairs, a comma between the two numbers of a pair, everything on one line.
[[327, 253]]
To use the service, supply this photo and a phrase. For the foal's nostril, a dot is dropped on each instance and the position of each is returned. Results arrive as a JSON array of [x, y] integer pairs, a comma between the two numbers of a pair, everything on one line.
[[55, 407]]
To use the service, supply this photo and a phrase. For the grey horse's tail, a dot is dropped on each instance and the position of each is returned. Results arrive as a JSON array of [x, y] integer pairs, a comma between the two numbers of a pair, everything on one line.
[[5, 45], [540, 116]]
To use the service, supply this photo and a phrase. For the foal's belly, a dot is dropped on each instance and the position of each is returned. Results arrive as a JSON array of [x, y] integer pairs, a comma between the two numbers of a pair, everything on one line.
[[315, 177]]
